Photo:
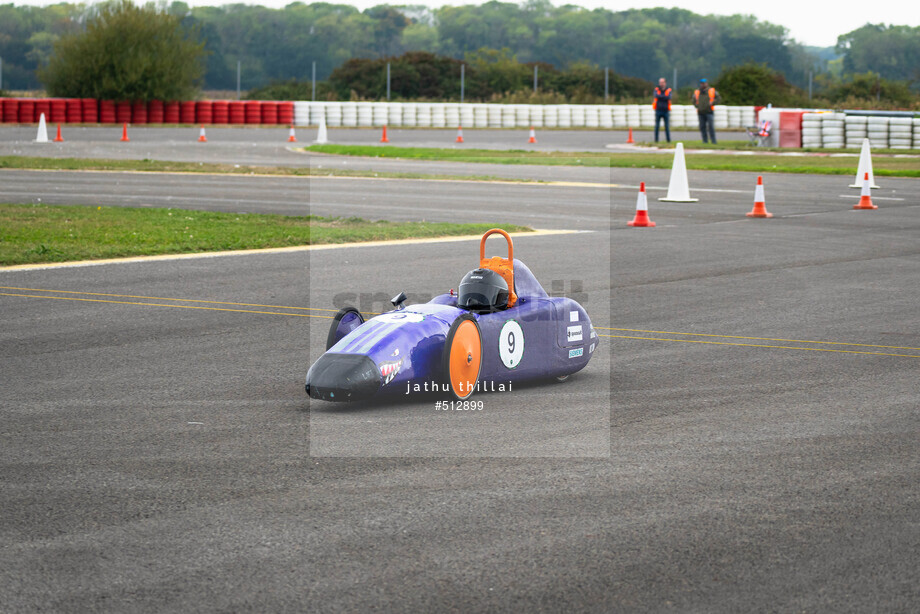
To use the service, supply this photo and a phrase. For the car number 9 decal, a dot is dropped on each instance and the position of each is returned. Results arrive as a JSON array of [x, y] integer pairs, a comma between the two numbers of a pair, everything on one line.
[[511, 344]]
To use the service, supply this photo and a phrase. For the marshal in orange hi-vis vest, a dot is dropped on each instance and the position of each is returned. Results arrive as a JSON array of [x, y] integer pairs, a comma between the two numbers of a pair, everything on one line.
[[667, 92], [712, 96]]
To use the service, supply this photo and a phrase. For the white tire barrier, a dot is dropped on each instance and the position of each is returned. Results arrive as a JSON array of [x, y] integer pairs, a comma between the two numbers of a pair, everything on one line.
[[734, 117], [319, 113], [365, 114], [481, 116], [632, 116], [349, 114], [900, 132], [564, 116], [748, 116], [452, 115], [605, 116], [678, 117], [646, 116], [811, 130], [855, 130], [591, 117], [833, 130], [522, 115], [333, 113], [302, 113], [394, 114], [825, 129], [536, 115], [379, 114], [423, 115], [495, 115], [438, 115], [467, 116], [409, 114], [877, 129]]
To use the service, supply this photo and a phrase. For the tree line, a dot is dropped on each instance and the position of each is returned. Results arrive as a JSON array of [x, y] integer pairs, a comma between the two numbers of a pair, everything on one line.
[[487, 75], [280, 45]]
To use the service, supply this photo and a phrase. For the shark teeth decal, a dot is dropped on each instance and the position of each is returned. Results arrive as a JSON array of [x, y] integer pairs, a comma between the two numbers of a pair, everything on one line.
[[389, 370]]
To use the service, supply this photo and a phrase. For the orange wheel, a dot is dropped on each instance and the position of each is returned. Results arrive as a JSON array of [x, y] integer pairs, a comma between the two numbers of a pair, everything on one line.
[[463, 356]]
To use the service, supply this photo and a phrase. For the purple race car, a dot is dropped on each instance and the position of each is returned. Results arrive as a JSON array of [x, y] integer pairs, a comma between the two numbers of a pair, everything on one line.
[[500, 328]]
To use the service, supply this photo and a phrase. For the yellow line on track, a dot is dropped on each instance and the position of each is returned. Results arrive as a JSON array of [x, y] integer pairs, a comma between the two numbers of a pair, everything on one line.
[[763, 345], [309, 315], [160, 298], [98, 300], [668, 332]]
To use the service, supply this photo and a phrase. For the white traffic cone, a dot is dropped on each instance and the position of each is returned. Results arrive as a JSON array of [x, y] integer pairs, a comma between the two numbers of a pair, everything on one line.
[[533, 136], [202, 138], [679, 186], [292, 138], [865, 166], [321, 136], [42, 136]]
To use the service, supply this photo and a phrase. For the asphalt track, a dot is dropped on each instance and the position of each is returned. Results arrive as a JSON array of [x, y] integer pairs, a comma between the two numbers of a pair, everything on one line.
[[261, 142], [745, 439]]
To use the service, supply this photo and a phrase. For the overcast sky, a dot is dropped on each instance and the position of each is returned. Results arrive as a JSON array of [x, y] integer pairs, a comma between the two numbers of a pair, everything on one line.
[[809, 22]]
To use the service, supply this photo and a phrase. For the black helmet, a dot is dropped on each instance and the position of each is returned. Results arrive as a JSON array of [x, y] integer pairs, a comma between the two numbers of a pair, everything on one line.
[[483, 290]]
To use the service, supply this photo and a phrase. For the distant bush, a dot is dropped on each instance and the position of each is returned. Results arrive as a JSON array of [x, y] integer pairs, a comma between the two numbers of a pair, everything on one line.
[[868, 89], [292, 90], [757, 84], [127, 53]]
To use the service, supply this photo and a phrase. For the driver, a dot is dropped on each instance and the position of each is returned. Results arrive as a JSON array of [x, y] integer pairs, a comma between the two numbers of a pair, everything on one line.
[[483, 291]]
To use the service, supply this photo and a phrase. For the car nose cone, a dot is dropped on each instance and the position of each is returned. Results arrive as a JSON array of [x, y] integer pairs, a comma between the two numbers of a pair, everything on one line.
[[343, 377]]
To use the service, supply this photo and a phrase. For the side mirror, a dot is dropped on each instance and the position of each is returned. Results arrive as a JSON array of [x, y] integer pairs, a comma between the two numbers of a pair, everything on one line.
[[398, 300]]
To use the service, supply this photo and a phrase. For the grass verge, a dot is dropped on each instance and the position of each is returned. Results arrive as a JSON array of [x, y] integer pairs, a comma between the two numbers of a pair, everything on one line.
[[746, 146], [40, 233], [823, 165], [160, 166]]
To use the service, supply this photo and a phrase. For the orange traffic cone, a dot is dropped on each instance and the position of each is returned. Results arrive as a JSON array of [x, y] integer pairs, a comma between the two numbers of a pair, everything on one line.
[[865, 200], [642, 219], [630, 139], [384, 138], [201, 137], [124, 133], [59, 138], [291, 137], [459, 134], [760, 207], [533, 136]]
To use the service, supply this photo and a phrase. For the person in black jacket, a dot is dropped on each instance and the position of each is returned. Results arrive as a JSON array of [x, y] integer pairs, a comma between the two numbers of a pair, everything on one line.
[[661, 102]]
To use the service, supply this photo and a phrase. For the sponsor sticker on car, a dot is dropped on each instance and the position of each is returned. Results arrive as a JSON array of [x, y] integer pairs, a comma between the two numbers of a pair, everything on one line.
[[574, 333]]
